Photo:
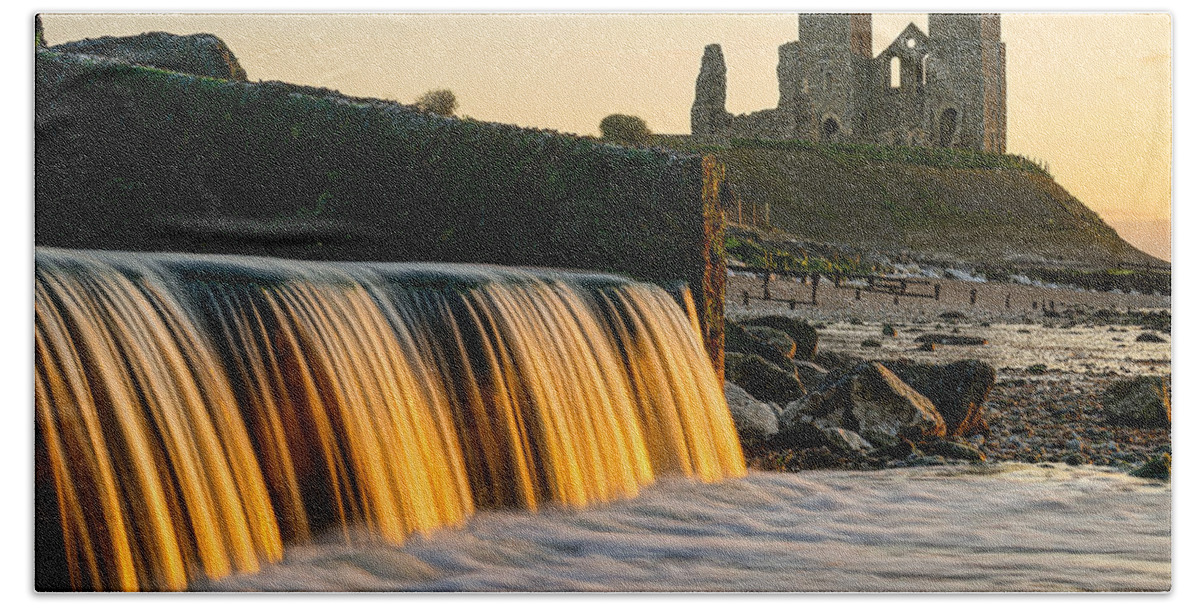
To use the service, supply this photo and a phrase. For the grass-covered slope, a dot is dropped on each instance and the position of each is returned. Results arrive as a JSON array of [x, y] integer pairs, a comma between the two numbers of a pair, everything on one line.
[[975, 206]]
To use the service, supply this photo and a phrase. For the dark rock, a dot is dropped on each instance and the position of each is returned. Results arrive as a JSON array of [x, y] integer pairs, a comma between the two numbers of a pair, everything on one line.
[[761, 379], [873, 402], [1144, 401], [838, 364], [1149, 337], [869, 343], [756, 422], [954, 450], [199, 54], [953, 315], [802, 432], [846, 440], [777, 339], [958, 390], [901, 449], [889, 331], [1037, 368], [801, 332], [926, 461], [1156, 468], [810, 374], [738, 340], [951, 340]]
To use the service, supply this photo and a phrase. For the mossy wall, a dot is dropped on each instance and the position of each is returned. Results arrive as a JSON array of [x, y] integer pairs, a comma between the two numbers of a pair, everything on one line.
[[135, 158]]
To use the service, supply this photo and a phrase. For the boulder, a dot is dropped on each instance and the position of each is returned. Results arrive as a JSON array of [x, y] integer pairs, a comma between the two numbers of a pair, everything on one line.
[[807, 432], [801, 332], [957, 390], [774, 338], [873, 402], [951, 340], [953, 449], [1149, 337], [889, 331], [838, 364], [199, 54], [1144, 401], [810, 374], [738, 340], [846, 440], [761, 379], [755, 421]]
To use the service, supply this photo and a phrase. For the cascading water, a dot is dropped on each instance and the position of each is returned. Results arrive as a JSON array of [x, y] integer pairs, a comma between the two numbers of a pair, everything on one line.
[[196, 414]]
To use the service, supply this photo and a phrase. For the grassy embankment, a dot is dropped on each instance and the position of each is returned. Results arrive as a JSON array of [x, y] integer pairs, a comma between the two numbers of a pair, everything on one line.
[[964, 205]]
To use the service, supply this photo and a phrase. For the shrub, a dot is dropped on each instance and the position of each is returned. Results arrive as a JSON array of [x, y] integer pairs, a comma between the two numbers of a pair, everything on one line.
[[625, 130], [439, 101]]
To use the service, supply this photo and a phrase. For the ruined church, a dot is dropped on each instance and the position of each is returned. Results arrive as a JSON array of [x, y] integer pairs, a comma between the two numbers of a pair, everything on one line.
[[945, 88]]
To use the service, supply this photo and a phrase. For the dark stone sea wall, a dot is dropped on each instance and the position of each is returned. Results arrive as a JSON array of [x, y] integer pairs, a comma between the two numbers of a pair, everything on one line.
[[199, 54], [139, 158]]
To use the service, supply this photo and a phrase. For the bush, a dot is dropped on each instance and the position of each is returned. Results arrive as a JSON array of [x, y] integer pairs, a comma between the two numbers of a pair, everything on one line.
[[625, 130], [440, 101]]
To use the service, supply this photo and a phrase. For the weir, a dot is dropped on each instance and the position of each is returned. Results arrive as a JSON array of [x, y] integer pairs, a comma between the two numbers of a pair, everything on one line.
[[198, 414]]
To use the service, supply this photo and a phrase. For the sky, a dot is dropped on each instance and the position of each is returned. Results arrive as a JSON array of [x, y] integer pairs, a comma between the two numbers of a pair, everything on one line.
[[1089, 94]]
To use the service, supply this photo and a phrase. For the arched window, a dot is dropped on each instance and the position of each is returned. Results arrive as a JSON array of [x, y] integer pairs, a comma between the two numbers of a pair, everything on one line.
[[924, 69], [829, 129], [895, 72]]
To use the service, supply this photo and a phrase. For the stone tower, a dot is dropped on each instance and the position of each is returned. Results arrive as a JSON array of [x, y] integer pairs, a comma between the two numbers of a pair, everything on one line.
[[708, 110], [967, 81], [832, 46]]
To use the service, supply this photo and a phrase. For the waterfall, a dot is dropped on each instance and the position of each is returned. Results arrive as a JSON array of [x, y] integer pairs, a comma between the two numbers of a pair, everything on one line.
[[197, 414]]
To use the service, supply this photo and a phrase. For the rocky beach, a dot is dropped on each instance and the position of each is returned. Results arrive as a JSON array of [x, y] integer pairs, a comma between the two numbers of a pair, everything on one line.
[[1051, 370]]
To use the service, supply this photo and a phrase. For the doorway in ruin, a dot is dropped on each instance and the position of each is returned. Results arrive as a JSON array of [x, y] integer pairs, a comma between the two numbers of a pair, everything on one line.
[[829, 129], [947, 126]]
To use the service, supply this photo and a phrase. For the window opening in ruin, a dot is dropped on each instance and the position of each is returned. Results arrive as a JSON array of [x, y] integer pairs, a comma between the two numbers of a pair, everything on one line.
[[895, 72], [829, 128], [947, 126], [910, 43], [828, 81], [924, 69]]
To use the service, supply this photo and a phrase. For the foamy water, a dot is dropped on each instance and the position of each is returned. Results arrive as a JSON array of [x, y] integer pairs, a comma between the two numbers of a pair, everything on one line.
[[1005, 527]]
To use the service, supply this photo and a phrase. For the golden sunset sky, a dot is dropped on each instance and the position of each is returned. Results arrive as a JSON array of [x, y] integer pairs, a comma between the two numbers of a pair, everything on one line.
[[1090, 94]]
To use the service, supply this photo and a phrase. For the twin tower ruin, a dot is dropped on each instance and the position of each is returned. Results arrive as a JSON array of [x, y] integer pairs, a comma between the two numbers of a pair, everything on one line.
[[944, 89]]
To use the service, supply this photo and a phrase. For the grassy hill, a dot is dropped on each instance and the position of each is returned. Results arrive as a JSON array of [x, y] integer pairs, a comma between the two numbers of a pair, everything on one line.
[[974, 206]]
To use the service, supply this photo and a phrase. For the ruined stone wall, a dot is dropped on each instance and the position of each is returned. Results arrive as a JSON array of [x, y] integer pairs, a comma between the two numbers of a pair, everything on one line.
[[953, 87]]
